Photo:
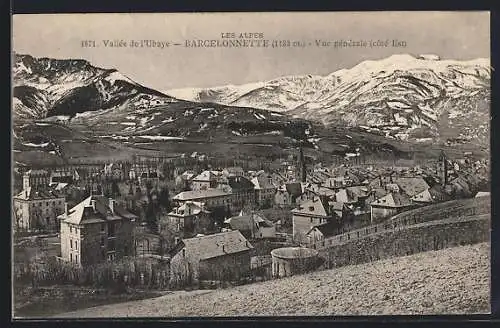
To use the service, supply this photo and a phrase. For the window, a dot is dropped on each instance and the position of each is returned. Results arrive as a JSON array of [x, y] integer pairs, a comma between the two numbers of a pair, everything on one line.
[[76, 258], [71, 243], [102, 241], [70, 257], [70, 229], [47, 203], [76, 245]]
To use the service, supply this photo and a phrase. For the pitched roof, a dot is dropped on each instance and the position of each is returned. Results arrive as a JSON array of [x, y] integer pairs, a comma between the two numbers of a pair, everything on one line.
[[247, 222], [238, 183], [313, 207], [393, 200], [188, 209], [31, 193], [350, 194], [412, 185], [84, 212], [328, 229], [205, 176], [241, 222], [200, 194], [336, 206], [219, 244], [262, 181], [423, 196]]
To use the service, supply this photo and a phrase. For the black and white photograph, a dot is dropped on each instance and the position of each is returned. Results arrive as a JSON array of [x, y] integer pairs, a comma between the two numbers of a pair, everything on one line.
[[209, 165]]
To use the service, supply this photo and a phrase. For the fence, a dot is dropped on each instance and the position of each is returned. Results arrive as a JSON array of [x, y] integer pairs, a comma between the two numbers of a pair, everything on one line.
[[441, 211], [430, 236], [129, 272]]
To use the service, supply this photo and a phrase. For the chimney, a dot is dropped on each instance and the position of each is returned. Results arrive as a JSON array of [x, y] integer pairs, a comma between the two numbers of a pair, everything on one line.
[[92, 203], [66, 208], [112, 205]]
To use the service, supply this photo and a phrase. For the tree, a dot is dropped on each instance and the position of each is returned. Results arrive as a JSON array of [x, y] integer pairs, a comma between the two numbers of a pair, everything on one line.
[[115, 190], [164, 199]]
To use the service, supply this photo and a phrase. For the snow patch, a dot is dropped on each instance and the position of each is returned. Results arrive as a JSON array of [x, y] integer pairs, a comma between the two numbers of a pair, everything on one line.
[[42, 145], [161, 138]]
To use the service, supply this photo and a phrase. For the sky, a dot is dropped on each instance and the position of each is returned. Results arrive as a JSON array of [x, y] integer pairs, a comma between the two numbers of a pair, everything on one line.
[[451, 35]]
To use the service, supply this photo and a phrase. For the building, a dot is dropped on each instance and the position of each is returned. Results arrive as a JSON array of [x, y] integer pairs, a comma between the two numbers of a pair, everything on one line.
[[430, 195], [37, 208], [301, 166], [411, 185], [183, 181], [205, 180], [187, 220], [233, 171], [317, 234], [242, 192], [389, 205], [252, 226], [264, 190], [36, 179], [210, 197], [442, 168], [96, 230], [223, 256], [115, 171], [309, 214], [288, 194], [483, 194]]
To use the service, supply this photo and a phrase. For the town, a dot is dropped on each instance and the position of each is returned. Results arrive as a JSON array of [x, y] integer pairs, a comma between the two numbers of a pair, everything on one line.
[[198, 223]]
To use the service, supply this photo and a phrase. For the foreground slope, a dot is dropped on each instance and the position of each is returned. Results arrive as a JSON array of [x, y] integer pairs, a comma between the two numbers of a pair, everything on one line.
[[451, 281]]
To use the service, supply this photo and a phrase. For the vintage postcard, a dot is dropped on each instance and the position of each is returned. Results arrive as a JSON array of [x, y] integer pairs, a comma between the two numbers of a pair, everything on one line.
[[251, 164]]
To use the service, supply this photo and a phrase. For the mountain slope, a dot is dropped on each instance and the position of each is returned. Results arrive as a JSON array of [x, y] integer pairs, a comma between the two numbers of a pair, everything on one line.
[[400, 96], [71, 109], [47, 87]]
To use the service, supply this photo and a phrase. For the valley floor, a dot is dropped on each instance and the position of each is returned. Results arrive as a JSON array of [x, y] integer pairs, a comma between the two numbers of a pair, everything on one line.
[[450, 281]]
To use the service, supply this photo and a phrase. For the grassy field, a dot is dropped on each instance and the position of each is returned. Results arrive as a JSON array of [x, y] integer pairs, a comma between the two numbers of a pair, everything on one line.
[[45, 301], [450, 281]]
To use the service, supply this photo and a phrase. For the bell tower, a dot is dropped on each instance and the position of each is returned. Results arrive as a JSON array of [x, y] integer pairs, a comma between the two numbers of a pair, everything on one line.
[[442, 168]]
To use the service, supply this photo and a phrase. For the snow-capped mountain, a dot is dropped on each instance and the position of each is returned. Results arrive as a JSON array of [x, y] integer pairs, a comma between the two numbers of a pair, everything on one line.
[[402, 97], [70, 109], [47, 87]]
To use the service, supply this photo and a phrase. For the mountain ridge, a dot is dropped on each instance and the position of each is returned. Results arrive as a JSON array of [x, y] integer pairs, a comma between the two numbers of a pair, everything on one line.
[[397, 96]]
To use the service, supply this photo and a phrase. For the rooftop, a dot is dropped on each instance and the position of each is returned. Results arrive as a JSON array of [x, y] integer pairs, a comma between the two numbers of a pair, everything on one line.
[[219, 244], [200, 194]]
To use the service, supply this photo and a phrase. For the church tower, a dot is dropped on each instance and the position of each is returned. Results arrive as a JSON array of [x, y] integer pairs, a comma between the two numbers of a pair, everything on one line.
[[301, 166], [442, 168]]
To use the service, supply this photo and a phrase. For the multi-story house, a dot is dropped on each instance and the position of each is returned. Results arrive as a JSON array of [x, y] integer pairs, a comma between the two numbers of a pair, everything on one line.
[[242, 192], [309, 214], [37, 209], [205, 180], [391, 204], [222, 256], [186, 221], [210, 197], [96, 230], [36, 179], [265, 190]]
